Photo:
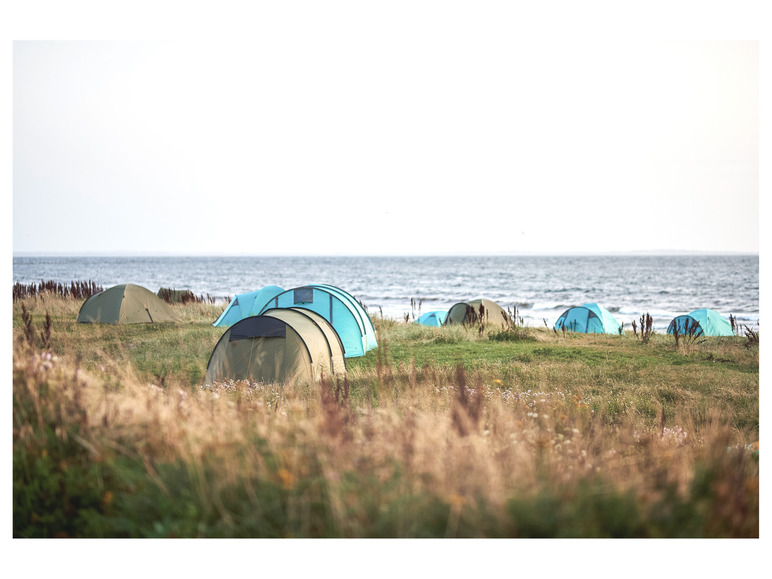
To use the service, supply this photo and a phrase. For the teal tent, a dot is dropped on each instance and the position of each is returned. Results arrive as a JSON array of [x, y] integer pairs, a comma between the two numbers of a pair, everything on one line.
[[367, 324], [246, 305], [350, 322], [588, 319], [436, 318], [702, 322]]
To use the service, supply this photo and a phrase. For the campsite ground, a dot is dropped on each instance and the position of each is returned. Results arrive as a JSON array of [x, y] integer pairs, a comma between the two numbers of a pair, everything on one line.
[[440, 432]]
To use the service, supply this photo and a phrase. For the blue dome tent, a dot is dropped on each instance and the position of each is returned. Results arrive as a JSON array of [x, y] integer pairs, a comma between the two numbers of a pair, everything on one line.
[[246, 305], [588, 318], [338, 308], [702, 322], [436, 318]]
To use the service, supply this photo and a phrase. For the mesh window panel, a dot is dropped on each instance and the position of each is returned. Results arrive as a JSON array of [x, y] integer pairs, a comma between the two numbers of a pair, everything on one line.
[[304, 295]]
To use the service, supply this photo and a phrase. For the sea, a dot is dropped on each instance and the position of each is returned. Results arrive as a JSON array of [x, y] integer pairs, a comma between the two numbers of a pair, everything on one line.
[[537, 289]]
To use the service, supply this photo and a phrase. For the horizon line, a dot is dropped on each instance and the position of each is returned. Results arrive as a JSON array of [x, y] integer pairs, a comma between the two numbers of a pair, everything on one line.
[[643, 252]]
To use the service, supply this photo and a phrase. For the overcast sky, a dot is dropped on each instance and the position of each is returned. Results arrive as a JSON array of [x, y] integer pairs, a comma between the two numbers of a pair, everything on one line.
[[343, 139], [382, 128]]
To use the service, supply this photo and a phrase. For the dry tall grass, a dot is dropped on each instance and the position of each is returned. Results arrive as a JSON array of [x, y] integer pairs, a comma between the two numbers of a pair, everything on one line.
[[394, 451]]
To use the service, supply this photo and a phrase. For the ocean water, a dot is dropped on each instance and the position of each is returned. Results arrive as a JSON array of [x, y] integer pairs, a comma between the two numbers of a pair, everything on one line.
[[541, 288]]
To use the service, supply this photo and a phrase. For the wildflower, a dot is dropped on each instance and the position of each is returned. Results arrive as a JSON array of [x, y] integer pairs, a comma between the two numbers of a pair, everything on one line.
[[676, 435], [456, 499], [287, 480]]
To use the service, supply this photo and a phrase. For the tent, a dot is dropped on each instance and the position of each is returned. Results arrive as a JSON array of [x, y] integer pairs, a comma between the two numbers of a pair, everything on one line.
[[125, 304], [469, 313], [436, 318], [334, 349], [367, 324], [702, 322], [588, 318], [279, 346], [245, 305], [350, 322]]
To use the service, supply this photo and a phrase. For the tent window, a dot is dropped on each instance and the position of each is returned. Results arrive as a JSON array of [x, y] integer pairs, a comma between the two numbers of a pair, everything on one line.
[[258, 327], [304, 295]]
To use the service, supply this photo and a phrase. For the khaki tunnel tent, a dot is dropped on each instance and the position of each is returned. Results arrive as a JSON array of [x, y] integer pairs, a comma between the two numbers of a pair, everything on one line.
[[125, 304], [470, 312], [278, 346], [339, 308]]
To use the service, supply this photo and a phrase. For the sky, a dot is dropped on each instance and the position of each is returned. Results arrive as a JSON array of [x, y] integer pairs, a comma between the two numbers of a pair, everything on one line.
[[426, 137]]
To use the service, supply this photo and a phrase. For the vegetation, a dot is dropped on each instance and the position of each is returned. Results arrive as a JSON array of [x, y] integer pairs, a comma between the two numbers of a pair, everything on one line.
[[440, 432], [79, 290]]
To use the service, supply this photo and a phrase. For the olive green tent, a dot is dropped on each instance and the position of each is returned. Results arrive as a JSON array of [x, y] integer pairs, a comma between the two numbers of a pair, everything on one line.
[[470, 312], [283, 345], [125, 304]]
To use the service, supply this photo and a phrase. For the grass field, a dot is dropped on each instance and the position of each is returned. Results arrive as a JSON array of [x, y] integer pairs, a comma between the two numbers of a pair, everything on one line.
[[440, 432]]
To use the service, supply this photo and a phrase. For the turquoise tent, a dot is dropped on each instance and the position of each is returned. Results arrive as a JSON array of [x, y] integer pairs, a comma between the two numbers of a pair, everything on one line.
[[702, 322], [436, 318], [367, 324], [350, 322], [246, 305], [588, 319]]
